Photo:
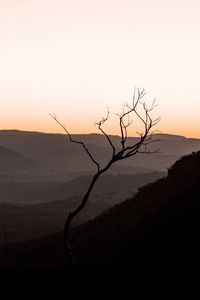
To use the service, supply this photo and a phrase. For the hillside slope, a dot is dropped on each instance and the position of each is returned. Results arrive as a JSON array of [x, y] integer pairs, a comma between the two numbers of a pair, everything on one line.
[[30, 211], [11, 161], [160, 224]]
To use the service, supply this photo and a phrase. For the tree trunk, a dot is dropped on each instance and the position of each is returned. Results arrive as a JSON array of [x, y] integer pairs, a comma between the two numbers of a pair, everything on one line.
[[66, 244]]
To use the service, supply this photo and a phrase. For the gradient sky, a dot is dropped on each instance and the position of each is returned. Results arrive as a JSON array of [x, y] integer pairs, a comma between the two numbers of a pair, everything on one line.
[[75, 58]]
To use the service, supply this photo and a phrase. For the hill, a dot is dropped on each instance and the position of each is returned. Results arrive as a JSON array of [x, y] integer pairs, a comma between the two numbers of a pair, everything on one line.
[[59, 160], [11, 161], [159, 225], [34, 210]]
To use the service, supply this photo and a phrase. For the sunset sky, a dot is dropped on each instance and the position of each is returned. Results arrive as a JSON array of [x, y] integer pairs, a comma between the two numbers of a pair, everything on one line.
[[75, 58]]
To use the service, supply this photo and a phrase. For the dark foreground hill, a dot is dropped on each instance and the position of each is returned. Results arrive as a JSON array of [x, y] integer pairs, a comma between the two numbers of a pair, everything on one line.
[[160, 224]]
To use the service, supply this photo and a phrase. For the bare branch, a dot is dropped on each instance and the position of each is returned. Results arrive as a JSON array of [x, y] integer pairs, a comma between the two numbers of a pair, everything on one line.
[[77, 142], [99, 124], [145, 137], [136, 101]]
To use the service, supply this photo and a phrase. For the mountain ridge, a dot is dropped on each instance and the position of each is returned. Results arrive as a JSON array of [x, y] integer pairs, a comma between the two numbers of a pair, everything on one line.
[[26, 132], [57, 151]]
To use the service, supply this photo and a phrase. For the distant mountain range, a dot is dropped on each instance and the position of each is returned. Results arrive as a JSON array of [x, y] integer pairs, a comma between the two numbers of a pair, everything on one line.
[[159, 225], [32, 193], [34, 156]]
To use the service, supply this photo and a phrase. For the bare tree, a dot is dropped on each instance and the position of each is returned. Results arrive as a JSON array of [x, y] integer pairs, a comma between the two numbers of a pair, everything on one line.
[[125, 151]]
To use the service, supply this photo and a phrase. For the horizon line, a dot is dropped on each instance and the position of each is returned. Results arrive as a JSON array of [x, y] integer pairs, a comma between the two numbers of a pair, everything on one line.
[[94, 133]]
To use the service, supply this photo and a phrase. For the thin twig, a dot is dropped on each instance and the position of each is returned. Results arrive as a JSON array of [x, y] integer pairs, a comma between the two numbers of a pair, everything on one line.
[[99, 124], [77, 142]]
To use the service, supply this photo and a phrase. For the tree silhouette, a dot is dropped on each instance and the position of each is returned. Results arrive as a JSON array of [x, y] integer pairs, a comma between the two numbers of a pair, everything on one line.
[[125, 151]]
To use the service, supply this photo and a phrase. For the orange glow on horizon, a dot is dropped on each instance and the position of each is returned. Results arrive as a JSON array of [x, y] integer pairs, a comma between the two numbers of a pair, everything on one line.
[[75, 58], [93, 130]]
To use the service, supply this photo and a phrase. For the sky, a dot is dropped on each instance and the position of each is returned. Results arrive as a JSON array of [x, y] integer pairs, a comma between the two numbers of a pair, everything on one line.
[[75, 58]]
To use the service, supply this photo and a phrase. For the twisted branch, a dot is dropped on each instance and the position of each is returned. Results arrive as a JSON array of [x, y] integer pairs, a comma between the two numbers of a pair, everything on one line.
[[77, 142], [99, 124]]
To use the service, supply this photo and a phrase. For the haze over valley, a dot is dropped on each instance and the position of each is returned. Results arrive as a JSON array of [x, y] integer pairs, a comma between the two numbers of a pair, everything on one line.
[[43, 176]]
